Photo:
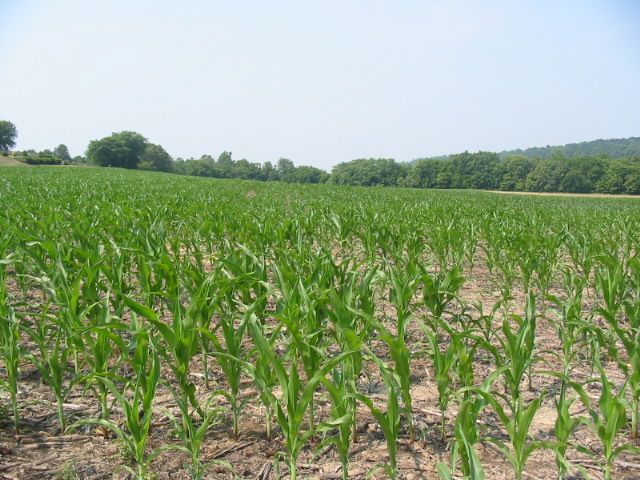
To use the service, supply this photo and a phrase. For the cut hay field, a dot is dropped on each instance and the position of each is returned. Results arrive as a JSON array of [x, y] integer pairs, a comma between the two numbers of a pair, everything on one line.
[[11, 162], [169, 327]]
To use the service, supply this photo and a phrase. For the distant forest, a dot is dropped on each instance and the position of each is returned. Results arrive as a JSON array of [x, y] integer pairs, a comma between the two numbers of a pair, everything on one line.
[[599, 166], [613, 148]]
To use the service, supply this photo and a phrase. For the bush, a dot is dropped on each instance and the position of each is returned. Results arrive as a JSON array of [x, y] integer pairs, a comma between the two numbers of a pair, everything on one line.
[[41, 159]]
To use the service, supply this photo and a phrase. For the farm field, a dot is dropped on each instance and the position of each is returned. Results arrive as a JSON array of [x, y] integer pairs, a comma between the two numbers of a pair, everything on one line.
[[10, 162], [159, 326]]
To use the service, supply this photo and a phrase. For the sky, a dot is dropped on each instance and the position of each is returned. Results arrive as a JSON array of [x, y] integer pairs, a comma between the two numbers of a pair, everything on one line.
[[321, 82]]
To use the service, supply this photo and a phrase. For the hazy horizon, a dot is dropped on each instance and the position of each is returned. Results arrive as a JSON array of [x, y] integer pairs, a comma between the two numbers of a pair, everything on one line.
[[321, 82]]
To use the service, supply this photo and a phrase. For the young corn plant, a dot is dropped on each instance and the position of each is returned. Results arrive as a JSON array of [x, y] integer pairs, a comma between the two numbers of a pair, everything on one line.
[[137, 407], [298, 312], [388, 420], [67, 286], [102, 344], [466, 437], [181, 342], [565, 426], [631, 343], [351, 312], [227, 354], [607, 422], [260, 370], [403, 283], [571, 326], [250, 274], [116, 274], [9, 339], [628, 336], [612, 285], [192, 434], [296, 396], [519, 347], [519, 357], [500, 265], [54, 350], [440, 289], [568, 329], [205, 301], [264, 375], [338, 429], [444, 365], [467, 429], [10, 356]]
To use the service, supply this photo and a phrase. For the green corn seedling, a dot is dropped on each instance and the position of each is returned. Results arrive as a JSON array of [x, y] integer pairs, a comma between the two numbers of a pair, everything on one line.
[[628, 336], [52, 360], [138, 408], [519, 348], [444, 365], [351, 312], [608, 421], [191, 434], [102, 343], [564, 427], [299, 314], [227, 354], [388, 420], [10, 355], [441, 289], [463, 450], [403, 288], [341, 421], [296, 397], [181, 339]]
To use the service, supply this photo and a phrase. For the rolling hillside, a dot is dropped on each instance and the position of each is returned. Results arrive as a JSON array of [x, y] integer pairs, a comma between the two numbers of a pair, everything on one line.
[[11, 162], [612, 148]]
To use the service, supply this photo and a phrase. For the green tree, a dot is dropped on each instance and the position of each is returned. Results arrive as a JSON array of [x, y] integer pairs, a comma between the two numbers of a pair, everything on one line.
[[474, 170], [543, 177], [156, 158], [246, 170], [305, 174], [62, 152], [515, 169], [269, 173], [368, 172], [422, 173], [8, 135], [123, 149], [285, 168], [632, 183], [225, 165]]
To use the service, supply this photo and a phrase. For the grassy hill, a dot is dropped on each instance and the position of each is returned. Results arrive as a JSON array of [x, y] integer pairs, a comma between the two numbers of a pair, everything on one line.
[[11, 162]]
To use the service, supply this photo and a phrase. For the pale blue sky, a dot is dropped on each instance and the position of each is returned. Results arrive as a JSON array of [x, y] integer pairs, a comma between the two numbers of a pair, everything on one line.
[[321, 82]]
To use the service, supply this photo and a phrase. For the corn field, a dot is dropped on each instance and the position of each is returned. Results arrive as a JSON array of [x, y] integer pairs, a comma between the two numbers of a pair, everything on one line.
[[154, 326]]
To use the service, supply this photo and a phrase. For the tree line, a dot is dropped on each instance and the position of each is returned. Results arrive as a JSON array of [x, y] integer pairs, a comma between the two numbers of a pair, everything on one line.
[[612, 148], [552, 171], [481, 170], [487, 171]]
